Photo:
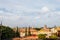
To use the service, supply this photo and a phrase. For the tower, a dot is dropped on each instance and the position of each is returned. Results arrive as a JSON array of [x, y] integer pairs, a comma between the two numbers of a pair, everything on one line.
[[45, 26], [1, 23]]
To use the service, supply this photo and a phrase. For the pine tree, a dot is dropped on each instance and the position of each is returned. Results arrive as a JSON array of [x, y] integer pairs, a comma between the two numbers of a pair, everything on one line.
[[29, 32], [17, 33], [26, 31]]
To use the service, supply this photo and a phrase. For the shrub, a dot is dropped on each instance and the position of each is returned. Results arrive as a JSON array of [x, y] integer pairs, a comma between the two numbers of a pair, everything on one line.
[[53, 37], [42, 36]]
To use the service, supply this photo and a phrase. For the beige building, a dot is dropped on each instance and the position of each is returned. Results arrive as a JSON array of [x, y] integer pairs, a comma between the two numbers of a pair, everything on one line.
[[23, 30], [45, 30], [53, 30]]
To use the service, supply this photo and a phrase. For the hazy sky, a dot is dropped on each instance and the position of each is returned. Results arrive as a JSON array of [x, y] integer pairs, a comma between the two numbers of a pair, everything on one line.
[[30, 12]]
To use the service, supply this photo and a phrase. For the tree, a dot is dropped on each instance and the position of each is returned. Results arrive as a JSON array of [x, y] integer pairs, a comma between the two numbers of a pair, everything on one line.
[[6, 32], [42, 36], [29, 32], [17, 33], [37, 29], [53, 37], [26, 31]]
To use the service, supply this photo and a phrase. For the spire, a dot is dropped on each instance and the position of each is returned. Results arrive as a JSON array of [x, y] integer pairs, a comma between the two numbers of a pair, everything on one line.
[[45, 26], [1, 23]]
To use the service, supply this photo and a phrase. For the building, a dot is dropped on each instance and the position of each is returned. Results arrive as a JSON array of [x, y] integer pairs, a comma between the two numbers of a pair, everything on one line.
[[23, 31], [54, 30], [27, 38], [45, 30], [32, 31]]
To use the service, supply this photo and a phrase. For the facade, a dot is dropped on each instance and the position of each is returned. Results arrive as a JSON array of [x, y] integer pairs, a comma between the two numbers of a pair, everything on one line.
[[32, 31], [58, 31], [22, 31], [54, 30], [45, 30]]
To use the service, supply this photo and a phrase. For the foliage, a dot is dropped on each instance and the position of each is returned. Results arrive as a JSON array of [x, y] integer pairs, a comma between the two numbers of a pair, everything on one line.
[[29, 33], [6, 32], [37, 29], [17, 33], [26, 31], [53, 37], [42, 36]]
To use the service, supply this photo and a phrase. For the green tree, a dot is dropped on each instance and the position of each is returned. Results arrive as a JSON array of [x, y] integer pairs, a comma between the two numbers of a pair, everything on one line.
[[26, 31], [17, 33], [53, 37], [37, 29], [6, 32], [42, 36], [29, 32]]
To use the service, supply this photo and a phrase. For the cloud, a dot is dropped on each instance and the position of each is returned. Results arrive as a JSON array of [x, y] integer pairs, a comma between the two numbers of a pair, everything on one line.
[[44, 9], [30, 12], [37, 17], [1, 11], [13, 18], [8, 15], [1, 17], [57, 0]]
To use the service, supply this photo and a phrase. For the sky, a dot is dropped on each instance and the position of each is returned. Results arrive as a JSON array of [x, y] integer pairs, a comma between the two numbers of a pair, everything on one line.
[[35, 13]]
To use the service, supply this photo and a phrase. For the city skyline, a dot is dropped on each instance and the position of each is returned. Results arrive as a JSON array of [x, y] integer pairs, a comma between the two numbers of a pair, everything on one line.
[[30, 12]]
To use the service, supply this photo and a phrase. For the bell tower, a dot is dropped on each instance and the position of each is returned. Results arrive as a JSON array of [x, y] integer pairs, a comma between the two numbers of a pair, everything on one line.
[[45, 26]]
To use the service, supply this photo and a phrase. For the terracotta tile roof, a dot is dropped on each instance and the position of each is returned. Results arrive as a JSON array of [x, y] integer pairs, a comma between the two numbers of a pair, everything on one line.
[[32, 37], [28, 37]]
